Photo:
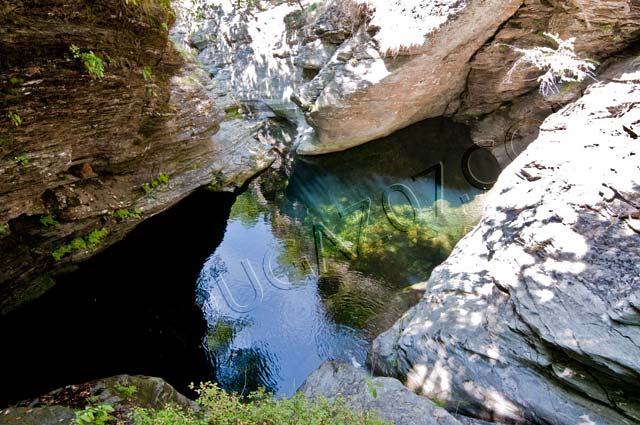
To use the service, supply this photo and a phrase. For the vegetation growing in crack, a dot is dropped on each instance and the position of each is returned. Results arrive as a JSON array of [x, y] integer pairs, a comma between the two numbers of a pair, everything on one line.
[[15, 118], [160, 180], [49, 221], [92, 63], [79, 244], [124, 214], [560, 65]]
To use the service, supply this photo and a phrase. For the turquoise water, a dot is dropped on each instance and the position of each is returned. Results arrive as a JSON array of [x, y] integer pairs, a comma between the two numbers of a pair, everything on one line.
[[313, 266]]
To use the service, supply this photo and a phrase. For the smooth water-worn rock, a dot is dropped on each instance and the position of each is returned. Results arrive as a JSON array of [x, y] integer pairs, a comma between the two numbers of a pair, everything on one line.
[[362, 392], [534, 317], [86, 148]]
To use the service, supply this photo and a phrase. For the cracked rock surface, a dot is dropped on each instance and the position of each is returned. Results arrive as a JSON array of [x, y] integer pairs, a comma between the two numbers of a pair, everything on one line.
[[535, 316]]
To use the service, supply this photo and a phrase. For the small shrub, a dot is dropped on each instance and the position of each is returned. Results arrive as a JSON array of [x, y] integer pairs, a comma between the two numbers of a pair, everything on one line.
[[49, 221], [260, 408], [98, 415], [15, 118], [92, 63], [560, 65]]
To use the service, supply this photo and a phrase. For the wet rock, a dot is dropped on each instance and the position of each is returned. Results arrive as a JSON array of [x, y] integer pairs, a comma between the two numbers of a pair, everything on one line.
[[392, 400], [533, 318]]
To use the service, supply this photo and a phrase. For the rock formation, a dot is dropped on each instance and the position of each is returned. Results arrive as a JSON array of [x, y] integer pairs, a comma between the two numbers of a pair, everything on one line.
[[534, 317], [88, 158]]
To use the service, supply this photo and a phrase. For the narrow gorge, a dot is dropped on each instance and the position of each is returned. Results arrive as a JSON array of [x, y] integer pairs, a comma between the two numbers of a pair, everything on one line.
[[331, 212]]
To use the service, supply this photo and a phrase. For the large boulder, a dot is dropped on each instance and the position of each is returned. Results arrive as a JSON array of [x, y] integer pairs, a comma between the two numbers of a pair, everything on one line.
[[387, 396], [535, 317]]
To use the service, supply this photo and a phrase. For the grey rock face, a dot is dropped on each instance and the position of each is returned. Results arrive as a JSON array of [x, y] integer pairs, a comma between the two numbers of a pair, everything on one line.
[[393, 401], [534, 317]]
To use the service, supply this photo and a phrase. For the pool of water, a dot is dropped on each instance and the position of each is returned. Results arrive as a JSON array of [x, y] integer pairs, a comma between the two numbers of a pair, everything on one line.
[[313, 267], [258, 290]]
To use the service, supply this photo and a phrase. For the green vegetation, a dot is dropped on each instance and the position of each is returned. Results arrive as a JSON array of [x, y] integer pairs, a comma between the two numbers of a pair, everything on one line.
[[16, 80], [438, 402], [15, 118], [560, 65], [90, 241], [49, 221], [606, 28], [372, 387], [98, 415], [145, 6], [146, 73], [124, 214], [160, 180], [126, 390], [261, 409], [4, 229], [92, 63], [21, 160]]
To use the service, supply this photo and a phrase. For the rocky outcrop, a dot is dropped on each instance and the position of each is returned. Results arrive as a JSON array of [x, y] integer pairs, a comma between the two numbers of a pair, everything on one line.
[[88, 158], [535, 316], [462, 68], [122, 392], [387, 396], [501, 102]]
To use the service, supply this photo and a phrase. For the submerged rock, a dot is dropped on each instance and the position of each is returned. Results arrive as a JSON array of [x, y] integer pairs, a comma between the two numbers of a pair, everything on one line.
[[534, 317], [387, 396]]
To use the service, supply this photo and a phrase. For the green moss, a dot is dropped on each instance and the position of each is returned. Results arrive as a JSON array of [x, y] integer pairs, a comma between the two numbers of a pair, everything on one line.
[[126, 390], [158, 181], [80, 244], [4, 229], [606, 28], [124, 214], [49, 221], [21, 160]]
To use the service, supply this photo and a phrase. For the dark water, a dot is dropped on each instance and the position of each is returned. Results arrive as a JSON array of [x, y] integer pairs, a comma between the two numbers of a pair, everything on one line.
[[130, 309], [299, 270]]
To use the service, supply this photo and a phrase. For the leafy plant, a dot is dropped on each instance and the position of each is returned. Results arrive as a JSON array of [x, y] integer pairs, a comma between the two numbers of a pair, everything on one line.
[[123, 214], [260, 408], [4, 230], [92, 63], [21, 160], [48, 221], [560, 65], [160, 180], [15, 118], [126, 390], [98, 415], [78, 244], [372, 386], [146, 73]]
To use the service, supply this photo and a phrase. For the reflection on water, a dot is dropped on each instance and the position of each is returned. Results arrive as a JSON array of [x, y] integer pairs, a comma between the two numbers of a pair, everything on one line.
[[326, 263]]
